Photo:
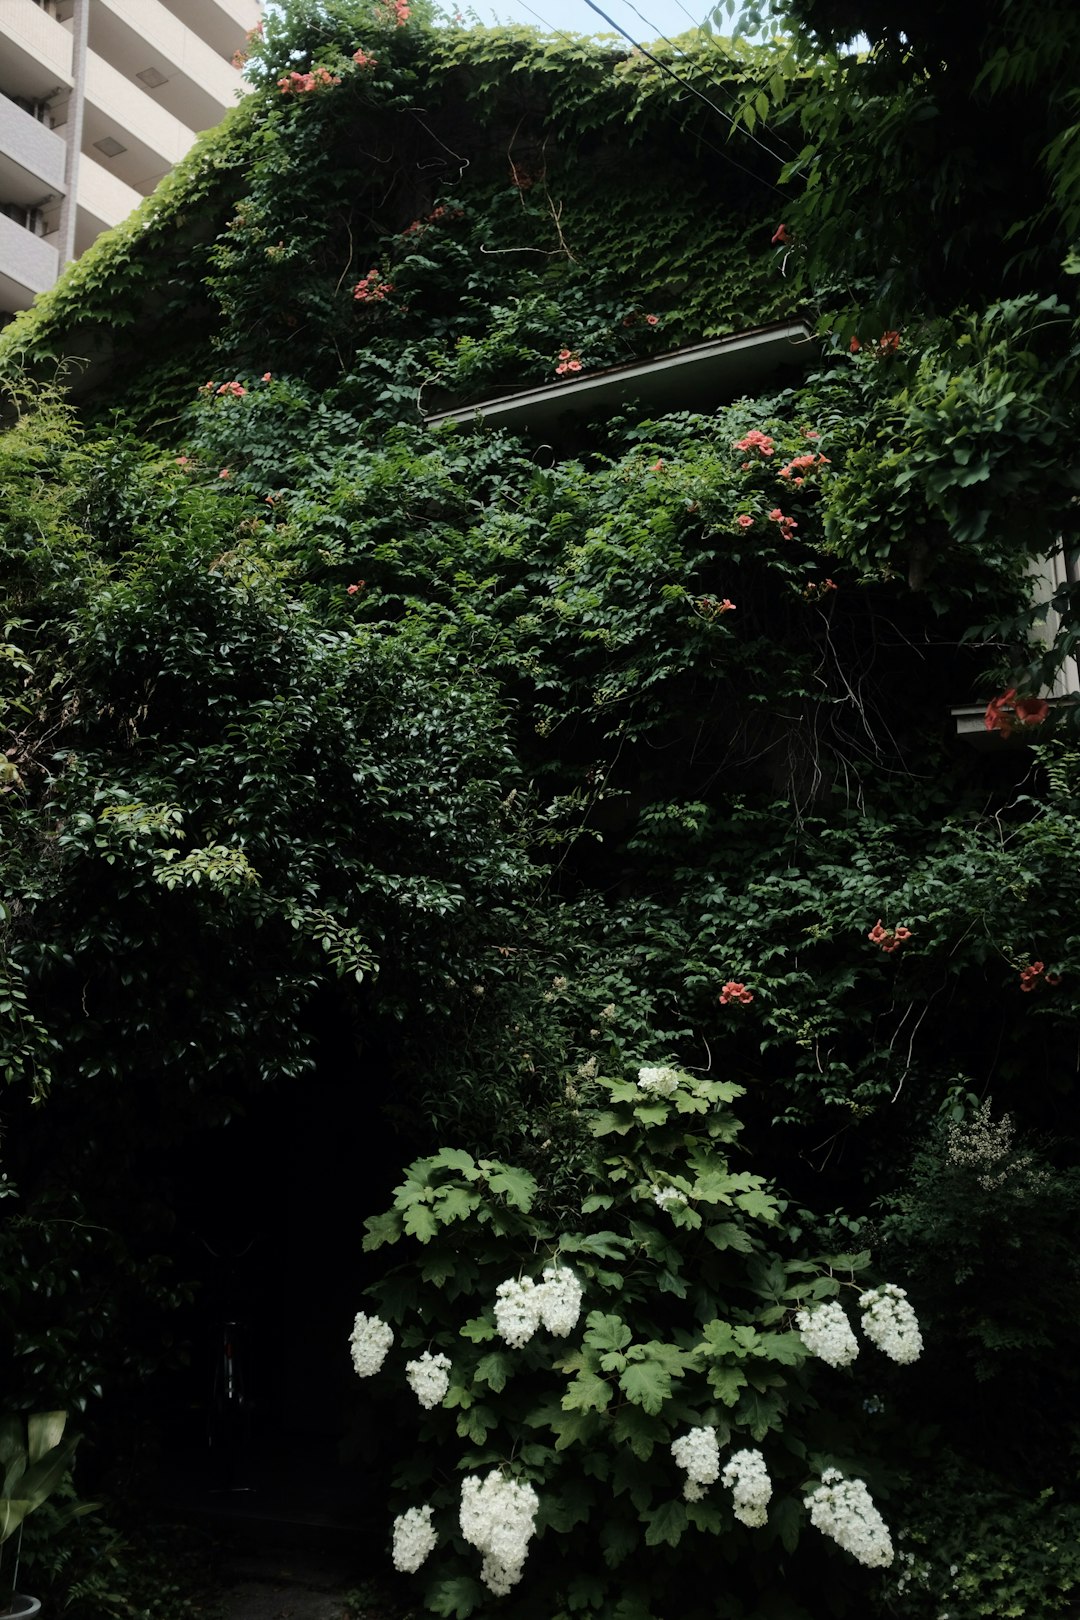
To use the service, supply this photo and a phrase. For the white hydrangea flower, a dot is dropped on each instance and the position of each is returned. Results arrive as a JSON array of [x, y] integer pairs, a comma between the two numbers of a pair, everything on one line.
[[663, 1081], [560, 1300], [498, 1516], [826, 1332], [748, 1479], [698, 1455], [890, 1323], [429, 1378], [517, 1310], [665, 1197], [843, 1509], [414, 1539], [369, 1341]]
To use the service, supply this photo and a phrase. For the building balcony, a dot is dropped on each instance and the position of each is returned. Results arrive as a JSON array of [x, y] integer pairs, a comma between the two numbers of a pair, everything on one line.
[[28, 265], [157, 53], [36, 58], [221, 23], [32, 158], [103, 201], [139, 141]]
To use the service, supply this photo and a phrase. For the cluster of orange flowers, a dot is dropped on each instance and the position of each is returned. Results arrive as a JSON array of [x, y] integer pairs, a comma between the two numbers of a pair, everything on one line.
[[299, 84], [371, 289], [733, 991], [890, 939], [1031, 976], [1009, 712]]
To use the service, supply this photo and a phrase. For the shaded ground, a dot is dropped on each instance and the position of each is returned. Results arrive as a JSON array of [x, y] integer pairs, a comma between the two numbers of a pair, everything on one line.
[[288, 1585]]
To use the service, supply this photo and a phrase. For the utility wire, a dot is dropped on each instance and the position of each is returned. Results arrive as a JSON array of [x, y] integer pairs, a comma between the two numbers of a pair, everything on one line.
[[749, 132], [725, 157], [694, 91]]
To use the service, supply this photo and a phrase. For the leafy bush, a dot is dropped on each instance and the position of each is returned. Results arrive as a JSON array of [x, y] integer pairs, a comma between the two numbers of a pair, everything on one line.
[[691, 1283]]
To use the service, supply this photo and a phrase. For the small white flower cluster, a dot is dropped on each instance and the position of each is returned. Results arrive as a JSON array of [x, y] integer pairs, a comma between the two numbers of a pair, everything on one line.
[[843, 1509], [890, 1323], [560, 1300], [826, 1332], [698, 1454], [522, 1305], [369, 1341], [663, 1081], [414, 1539], [748, 1479], [429, 1378], [662, 1197], [498, 1516]]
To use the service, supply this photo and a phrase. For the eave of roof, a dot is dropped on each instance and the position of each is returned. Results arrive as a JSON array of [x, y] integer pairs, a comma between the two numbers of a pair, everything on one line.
[[696, 379]]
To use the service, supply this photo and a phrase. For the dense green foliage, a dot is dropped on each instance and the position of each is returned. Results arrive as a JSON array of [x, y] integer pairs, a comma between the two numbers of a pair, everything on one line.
[[473, 770]]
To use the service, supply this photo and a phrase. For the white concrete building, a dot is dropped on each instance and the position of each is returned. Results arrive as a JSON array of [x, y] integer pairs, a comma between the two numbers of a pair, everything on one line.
[[98, 100]]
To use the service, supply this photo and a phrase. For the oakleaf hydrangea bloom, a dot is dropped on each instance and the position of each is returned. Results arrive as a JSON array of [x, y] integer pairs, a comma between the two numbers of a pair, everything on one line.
[[826, 1332], [890, 1323], [429, 1378], [414, 1539], [517, 1310], [369, 1341], [498, 1516], [698, 1454], [664, 1197], [748, 1479], [843, 1509], [560, 1300], [662, 1081]]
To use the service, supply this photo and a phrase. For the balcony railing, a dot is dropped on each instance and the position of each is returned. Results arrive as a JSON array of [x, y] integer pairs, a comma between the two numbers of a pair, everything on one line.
[[26, 260], [31, 156]]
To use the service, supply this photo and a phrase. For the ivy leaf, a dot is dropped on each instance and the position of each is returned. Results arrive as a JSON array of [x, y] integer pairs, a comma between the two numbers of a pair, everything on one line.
[[665, 1524]]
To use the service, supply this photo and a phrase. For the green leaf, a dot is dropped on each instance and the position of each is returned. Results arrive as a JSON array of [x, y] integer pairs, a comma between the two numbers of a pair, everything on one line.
[[726, 1383], [478, 1330], [647, 1384], [381, 1229], [618, 1539], [586, 1393], [605, 1332], [517, 1186], [454, 1204], [494, 1369], [455, 1598], [665, 1524], [420, 1223], [786, 1517]]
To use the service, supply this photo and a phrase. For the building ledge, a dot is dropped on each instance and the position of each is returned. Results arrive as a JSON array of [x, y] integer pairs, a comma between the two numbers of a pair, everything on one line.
[[970, 719], [695, 379]]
